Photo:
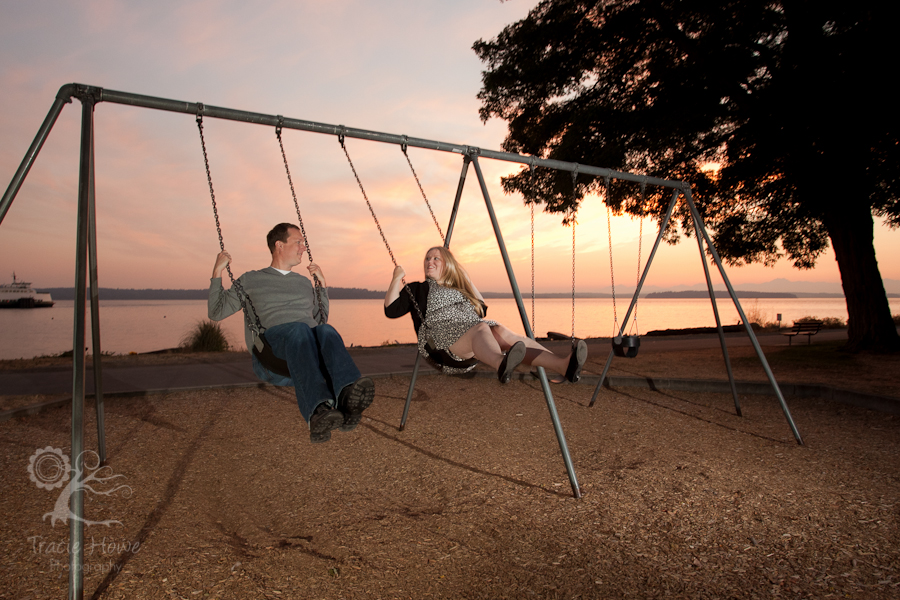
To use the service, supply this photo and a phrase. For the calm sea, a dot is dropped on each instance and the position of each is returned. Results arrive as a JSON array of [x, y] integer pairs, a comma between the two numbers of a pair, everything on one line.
[[144, 326]]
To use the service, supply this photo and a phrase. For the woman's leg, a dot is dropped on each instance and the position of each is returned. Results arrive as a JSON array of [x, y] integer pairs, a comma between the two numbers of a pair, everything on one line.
[[535, 354], [488, 345], [480, 343]]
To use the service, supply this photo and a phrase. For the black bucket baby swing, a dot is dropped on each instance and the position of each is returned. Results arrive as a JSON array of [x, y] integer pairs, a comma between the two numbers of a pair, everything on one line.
[[625, 345]]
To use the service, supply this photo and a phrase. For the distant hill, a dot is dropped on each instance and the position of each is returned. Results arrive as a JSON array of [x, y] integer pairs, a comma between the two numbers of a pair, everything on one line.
[[746, 294], [801, 289], [527, 293], [673, 294], [720, 294], [334, 293], [338, 293]]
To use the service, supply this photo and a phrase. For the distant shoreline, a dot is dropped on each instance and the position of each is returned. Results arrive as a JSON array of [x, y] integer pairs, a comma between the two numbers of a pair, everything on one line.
[[334, 293], [339, 293]]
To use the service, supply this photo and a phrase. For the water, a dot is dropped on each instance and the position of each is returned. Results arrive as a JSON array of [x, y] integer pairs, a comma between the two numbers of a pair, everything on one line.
[[144, 326]]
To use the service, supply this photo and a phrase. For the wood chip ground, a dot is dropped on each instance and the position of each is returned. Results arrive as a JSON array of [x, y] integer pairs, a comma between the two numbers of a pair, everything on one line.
[[226, 497]]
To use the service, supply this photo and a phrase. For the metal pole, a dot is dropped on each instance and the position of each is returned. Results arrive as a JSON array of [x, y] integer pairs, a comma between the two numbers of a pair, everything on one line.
[[66, 92], [606, 367], [456, 200], [409, 394], [737, 304], [217, 112], [95, 315], [453, 213], [659, 237], [506, 262], [76, 507], [35, 148], [712, 298], [560, 436], [662, 230]]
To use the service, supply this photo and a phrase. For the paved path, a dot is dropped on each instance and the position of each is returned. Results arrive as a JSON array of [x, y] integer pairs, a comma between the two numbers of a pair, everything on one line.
[[381, 361]]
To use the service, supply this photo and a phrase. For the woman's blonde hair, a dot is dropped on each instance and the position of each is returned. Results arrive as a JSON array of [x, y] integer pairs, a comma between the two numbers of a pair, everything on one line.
[[455, 276]]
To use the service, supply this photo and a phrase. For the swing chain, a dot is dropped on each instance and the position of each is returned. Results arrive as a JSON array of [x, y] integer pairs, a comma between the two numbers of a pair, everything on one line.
[[243, 298], [531, 204], [212, 194], [634, 322], [377, 224], [366, 198], [421, 189], [316, 283], [573, 222], [291, 183], [612, 277]]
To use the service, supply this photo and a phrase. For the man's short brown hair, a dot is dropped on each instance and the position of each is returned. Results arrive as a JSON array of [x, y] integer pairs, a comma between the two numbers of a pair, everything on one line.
[[279, 233]]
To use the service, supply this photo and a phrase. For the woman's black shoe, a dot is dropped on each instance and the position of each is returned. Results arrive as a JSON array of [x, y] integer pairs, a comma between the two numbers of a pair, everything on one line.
[[512, 360], [576, 361]]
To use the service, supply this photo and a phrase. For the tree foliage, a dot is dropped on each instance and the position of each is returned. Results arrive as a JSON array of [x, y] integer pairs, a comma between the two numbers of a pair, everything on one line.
[[778, 113], [782, 103]]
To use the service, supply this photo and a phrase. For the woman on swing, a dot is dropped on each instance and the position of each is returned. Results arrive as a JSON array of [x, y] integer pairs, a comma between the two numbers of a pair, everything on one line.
[[454, 321]]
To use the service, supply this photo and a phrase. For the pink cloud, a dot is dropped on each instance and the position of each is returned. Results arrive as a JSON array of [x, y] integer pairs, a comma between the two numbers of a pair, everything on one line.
[[328, 62]]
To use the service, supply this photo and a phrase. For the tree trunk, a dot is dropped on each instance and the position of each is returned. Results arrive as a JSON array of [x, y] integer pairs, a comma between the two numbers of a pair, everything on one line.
[[870, 326]]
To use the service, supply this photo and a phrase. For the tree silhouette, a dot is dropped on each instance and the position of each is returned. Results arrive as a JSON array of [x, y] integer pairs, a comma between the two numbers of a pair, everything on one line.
[[778, 113]]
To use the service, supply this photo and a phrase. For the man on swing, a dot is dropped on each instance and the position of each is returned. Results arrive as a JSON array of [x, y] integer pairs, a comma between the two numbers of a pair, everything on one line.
[[330, 391]]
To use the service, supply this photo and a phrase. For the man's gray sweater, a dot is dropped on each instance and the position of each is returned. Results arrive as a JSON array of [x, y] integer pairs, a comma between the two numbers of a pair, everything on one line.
[[277, 299]]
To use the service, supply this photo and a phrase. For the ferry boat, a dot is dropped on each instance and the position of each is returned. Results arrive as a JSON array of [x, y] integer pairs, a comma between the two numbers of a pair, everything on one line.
[[19, 294]]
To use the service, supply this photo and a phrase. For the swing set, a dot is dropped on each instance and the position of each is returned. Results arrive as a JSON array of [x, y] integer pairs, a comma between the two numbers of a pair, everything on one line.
[[86, 279]]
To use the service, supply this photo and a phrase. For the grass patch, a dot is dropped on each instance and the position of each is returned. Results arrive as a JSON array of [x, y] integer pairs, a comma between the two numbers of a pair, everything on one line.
[[821, 355], [71, 353], [205, 336]]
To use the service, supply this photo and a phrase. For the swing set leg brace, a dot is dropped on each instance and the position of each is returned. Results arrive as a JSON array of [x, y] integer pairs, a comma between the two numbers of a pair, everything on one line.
[[542, 375], [703, 235], [750, 333], [719, 330], [409, 394], [76, 506], [545, 385], [453, 213]]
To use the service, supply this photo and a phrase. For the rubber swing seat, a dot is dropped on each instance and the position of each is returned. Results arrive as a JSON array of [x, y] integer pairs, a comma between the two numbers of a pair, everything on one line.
[[626, 346]]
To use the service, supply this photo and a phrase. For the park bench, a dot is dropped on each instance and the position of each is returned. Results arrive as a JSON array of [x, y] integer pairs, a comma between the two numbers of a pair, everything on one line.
[[807, 328]]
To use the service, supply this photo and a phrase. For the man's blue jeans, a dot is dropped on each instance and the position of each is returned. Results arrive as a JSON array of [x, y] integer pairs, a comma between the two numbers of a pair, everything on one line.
[[319, 363]]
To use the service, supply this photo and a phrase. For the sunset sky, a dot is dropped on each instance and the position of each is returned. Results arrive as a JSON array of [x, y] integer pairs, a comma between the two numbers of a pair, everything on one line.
[[390, 66]]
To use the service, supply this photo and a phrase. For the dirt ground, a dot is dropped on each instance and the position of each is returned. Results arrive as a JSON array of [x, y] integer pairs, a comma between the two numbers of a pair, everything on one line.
[[226, 498]]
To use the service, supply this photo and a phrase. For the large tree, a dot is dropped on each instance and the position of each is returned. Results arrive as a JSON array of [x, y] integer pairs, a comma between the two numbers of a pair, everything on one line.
[[779, 113]]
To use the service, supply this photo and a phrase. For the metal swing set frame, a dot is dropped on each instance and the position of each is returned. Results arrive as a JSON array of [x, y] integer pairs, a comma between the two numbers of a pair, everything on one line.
[[86, 279]]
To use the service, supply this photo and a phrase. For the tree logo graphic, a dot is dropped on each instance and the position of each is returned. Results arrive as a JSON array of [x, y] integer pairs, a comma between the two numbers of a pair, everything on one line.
[[49, 468]]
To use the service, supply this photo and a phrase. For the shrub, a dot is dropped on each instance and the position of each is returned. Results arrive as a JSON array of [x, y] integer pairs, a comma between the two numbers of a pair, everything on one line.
[[205, 336], [827, 322], [896, 319], [758, 317], [71, 354], [833, 323], [753, 312]]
